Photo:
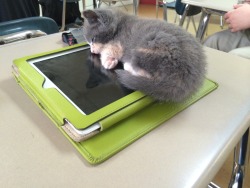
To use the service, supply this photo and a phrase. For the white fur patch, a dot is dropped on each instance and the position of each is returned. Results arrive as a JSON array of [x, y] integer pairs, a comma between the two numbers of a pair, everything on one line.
[[135, 70]]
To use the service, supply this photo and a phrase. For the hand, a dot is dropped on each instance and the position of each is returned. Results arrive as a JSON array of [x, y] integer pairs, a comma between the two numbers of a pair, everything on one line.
[[238, 18]]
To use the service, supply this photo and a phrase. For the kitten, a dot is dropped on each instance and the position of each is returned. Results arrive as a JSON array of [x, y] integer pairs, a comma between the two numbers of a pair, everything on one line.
[[159, 59]]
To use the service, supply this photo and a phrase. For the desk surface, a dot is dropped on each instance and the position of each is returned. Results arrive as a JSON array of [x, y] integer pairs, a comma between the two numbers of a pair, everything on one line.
[[186, 151], [221, 5]]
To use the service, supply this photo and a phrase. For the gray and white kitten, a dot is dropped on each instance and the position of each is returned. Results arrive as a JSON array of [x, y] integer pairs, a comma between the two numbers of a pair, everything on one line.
[[159, 59]]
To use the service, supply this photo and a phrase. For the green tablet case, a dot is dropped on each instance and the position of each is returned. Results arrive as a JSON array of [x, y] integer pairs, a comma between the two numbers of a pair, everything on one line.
[[120, 129]]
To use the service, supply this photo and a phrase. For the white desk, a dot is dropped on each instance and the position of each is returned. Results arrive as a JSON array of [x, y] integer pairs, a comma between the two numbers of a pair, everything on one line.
[[209, 7], [221, 5], [186, 151]]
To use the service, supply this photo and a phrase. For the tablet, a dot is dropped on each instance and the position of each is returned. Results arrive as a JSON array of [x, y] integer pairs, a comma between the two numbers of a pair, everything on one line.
[[76, 92], [79, 77]]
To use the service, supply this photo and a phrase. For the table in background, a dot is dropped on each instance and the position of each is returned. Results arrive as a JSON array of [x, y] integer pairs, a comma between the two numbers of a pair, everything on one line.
[[209, 7], [186, 151]]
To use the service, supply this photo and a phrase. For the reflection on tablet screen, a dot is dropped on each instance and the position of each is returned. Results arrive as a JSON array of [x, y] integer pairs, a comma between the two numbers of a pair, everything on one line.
[[80, 76]]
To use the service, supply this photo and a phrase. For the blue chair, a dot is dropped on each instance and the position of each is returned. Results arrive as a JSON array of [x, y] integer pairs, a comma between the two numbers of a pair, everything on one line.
[[24, 28], [192, 11], [44, 24], [179, 9]]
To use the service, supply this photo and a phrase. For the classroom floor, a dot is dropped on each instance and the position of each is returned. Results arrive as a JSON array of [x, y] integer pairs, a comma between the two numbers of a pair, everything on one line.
[[223, 176]]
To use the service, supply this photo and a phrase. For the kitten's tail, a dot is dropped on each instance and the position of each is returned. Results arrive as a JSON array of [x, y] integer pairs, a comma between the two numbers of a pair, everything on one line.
[[160, 90]]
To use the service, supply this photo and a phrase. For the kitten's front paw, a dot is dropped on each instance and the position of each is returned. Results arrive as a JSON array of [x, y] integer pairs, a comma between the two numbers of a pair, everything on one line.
[[109, 62]]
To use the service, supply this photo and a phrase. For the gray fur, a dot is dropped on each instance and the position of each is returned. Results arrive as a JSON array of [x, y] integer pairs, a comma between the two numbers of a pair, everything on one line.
[[173, 58]]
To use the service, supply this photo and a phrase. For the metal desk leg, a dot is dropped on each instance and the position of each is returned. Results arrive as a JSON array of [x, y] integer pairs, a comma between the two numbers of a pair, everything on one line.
[[84, 5], [157, 7], [165, 11], [98, 5], [63, 16], [183, 17], [135, 6], [94, 4], [240, 156], [205, 16]]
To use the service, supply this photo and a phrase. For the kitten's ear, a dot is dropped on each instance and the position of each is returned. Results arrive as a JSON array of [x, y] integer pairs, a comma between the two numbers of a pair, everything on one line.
[[91, 16]]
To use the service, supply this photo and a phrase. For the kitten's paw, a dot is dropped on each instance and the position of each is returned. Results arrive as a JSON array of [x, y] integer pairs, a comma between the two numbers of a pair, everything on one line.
[[109, 62]]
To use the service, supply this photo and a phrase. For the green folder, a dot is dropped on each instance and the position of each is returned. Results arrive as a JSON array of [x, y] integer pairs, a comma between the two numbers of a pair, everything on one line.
[[111, 127]]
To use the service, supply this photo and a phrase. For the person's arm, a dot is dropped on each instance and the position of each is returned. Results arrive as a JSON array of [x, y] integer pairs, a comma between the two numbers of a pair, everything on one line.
[[238, 18]]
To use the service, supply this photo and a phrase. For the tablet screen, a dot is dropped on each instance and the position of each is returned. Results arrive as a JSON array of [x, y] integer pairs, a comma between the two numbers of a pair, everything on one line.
[[80, 77]]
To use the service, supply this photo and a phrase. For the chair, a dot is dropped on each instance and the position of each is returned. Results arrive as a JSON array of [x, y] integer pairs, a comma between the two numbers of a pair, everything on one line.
[[44, 24], [180, 8], [25, 28]]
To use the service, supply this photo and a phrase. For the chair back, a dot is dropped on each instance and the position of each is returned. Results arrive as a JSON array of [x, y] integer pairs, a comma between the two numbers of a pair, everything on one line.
[[180, 7], [47, 25]]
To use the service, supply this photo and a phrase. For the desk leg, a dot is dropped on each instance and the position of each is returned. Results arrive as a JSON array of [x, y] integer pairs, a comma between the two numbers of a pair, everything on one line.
[[63, 16], [94, 4], [84, 5], [205, 16], [183, 17], [240, 161], [157, 7], [165, 11], [98, 3], [135, 6]]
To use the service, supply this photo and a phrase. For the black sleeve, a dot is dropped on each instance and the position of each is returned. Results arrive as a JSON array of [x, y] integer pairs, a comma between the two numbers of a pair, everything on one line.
[[15, 9]]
